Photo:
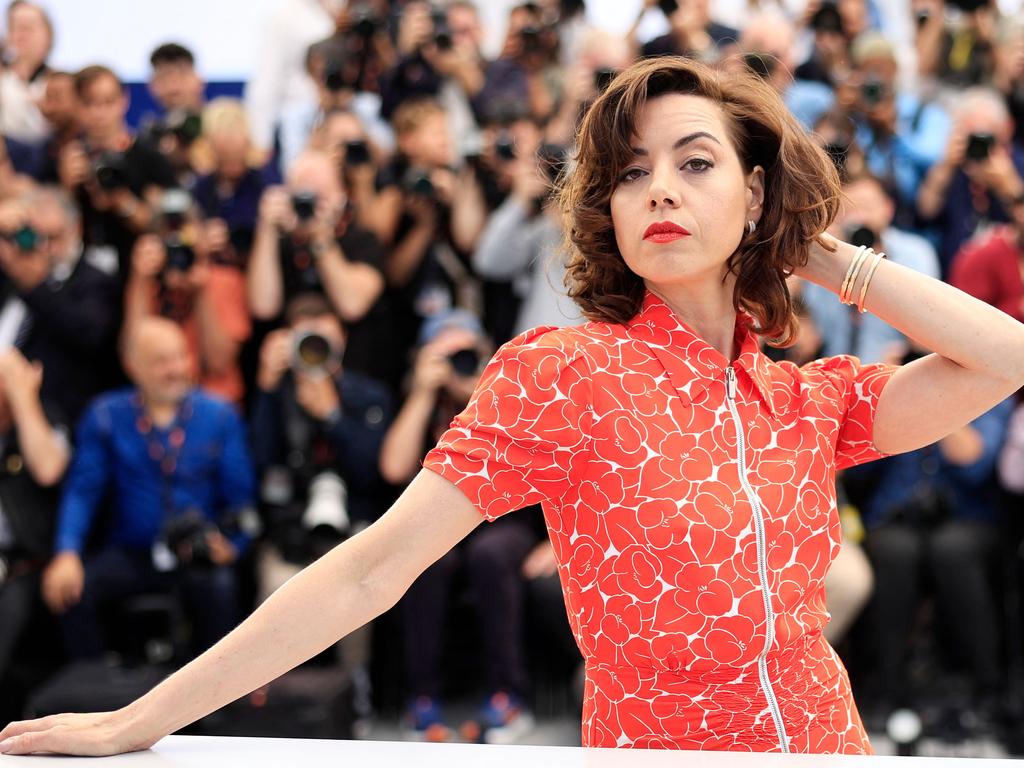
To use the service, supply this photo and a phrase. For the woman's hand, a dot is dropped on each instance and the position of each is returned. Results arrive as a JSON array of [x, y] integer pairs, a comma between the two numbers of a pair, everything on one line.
[[827, 261], [94, 734]]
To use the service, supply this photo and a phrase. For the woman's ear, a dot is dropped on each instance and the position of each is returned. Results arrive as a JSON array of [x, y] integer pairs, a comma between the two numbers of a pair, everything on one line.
[[755, 193]]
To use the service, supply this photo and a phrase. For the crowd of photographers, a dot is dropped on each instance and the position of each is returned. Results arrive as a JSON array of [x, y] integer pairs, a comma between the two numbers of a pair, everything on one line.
[[229, 335]]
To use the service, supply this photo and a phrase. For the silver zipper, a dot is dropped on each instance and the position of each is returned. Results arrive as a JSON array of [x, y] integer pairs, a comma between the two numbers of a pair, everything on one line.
[[762, 563]]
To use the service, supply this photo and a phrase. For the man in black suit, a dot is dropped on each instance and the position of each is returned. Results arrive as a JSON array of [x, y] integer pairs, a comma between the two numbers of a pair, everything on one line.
[[54, 305], [34, 453]]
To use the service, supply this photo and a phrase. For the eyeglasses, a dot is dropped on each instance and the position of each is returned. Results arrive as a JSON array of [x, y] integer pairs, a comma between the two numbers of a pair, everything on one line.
[[28, 239]]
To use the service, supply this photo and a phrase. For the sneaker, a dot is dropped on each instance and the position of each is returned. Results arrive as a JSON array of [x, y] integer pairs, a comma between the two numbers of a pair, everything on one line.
[[426, 721], [505, 719]]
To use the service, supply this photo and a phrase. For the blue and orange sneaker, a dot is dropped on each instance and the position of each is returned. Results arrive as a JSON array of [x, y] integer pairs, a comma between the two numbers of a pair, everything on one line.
[[426, 721], [505, 719]]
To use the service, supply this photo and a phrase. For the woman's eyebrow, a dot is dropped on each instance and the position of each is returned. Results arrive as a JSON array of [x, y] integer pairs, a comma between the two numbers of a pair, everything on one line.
[[640, 151]]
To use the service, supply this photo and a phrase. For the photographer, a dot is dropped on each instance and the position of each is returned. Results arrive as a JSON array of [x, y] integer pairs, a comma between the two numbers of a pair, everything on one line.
[[180, 92], [979, 178], [439, 57], [691, 31], [23, 71], [522, 237], [865, 218], [316, 430], [902, 136], [306, 241], [179, 469], [833, 26], [521, 77], [932, 514], [229, 196], [34, 453], [334, 69], [173, 276], [452, 349], [113, 176], [376, 200], [61, 109], [55, 306], [957, 54]]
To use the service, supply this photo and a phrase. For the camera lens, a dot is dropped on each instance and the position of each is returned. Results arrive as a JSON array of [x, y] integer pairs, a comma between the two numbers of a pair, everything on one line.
[[304, 205], [465, 362], [312, 351]]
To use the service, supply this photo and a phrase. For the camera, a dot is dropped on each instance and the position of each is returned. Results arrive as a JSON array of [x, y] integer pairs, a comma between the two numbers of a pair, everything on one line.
[[304, 205], [465, 362], [313, 354], [187, 532], [760, 64], [184, 126], [442, 32], [668, 7], [357, 152], [111, 171], [873, 91], [979, 146], [417, 182], [174, 207], [861, 235], [968, 6], [603, 77], [25, 238], [505, 147], [364, 22], [327, 506]]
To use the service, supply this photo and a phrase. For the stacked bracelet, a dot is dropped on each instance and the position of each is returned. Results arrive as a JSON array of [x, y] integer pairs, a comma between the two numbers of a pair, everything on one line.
[[867, 280], [848, 289], [851, 274]]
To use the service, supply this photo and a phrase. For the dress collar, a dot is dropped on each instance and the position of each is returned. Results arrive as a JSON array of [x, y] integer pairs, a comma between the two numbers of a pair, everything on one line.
[[692, 364]]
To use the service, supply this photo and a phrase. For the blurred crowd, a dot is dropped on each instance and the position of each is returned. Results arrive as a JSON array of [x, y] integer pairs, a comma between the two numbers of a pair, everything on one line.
[[228, 335]]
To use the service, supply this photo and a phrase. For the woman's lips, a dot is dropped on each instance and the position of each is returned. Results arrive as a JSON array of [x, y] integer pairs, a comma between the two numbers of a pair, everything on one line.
[[664, 237], [664, 232]]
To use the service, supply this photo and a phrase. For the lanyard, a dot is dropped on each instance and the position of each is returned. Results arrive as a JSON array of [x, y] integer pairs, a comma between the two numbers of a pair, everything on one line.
[[166, 458]]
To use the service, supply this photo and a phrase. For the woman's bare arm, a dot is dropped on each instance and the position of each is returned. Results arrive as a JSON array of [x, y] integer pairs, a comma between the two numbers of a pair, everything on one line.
[[978, 360], [353, 583]]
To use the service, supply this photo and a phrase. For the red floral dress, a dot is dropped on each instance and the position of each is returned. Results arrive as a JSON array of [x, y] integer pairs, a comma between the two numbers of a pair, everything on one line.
[[691, 506]]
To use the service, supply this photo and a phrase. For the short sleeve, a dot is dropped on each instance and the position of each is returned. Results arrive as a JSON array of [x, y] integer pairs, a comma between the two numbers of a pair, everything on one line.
[[859, 387], [526, 428]]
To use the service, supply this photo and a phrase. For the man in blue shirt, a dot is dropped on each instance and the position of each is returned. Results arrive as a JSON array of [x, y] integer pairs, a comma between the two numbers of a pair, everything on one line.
[[175, 463]]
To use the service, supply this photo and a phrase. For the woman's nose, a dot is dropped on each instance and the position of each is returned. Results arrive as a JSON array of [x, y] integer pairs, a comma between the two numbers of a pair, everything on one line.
[[662, 192]]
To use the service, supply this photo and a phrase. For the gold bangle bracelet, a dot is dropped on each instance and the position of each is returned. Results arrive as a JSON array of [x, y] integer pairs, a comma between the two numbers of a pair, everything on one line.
[[856, 268], [867, 280], [844, 291]]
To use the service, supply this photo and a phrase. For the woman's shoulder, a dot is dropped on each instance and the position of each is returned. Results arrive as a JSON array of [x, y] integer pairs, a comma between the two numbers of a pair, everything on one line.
[[570, 342]]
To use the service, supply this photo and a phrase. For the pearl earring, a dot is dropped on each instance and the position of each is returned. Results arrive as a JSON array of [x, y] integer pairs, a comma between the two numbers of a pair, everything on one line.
[[751, 226]]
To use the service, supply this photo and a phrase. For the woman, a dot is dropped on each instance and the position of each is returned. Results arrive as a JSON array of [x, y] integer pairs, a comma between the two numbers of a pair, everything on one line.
[[687, 481]]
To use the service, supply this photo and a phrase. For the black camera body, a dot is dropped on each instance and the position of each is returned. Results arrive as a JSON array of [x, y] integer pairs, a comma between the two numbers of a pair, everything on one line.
[[442, 32], [111, 171], [187, 532], [304, 205], [175, 205], [465, 362], [335, 76], [979, 146], [184, 126], [505, 146], [860, 234], [357, 152], [416, 181], [365, 23]]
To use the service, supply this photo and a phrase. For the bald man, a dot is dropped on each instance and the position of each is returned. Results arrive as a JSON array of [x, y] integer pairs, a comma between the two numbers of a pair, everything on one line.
[[177, 463]]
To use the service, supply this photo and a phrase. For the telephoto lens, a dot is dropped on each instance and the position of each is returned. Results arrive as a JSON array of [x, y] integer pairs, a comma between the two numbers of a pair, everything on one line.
[[312, 353]]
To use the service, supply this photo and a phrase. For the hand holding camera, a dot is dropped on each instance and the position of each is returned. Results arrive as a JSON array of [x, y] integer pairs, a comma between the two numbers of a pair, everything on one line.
[[432, 369], [21, 379], [63, 581], [275, 359], [276, 209], [73, 165]]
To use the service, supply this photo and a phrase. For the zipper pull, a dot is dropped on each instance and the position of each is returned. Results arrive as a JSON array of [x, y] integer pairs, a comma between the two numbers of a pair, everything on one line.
[[730, 383]]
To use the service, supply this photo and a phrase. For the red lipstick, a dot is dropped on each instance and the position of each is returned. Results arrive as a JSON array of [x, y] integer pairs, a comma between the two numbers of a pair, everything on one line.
[[664, 232]]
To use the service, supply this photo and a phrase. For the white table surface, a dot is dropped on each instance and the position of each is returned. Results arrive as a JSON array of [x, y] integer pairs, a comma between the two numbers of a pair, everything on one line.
[[225, 752]]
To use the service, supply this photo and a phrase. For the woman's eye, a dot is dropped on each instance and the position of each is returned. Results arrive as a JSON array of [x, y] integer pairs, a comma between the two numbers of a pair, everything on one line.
[[631, 175], [698, 161]]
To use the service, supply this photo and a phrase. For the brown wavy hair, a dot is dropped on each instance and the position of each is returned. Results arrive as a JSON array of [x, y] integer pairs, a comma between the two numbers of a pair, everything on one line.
[[801, 195]]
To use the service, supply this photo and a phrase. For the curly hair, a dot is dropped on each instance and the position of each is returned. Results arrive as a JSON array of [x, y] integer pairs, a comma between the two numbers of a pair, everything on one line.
[[801, 195]]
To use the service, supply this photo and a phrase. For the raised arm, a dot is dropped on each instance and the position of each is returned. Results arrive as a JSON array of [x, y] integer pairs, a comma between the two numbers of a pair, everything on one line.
[[978, 358], [353, 583]]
